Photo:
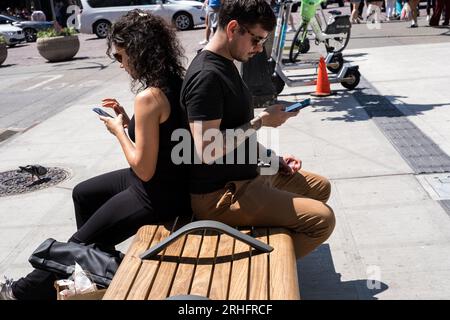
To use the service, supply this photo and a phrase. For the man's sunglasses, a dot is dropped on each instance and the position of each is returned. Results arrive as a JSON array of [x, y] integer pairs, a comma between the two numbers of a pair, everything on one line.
[[256, 40], [118, 57]]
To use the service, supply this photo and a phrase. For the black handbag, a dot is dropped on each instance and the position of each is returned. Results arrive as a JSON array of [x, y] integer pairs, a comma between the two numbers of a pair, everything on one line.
[[60, 257]]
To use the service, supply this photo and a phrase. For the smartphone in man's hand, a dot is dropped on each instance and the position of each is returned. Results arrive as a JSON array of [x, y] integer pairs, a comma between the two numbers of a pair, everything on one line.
[[298, 106], [102, 112]]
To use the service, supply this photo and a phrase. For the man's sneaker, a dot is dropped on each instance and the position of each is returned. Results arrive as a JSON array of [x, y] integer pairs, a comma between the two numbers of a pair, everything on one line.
[[428, 18], [290, 29], [203, 42], [6, 290]]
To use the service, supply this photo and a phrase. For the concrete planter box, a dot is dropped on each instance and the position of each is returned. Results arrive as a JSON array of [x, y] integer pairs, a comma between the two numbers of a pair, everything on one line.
[[58, 48], [3, 53]]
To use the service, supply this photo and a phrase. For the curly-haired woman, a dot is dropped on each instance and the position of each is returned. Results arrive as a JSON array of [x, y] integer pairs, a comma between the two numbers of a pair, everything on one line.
[[111, 207]]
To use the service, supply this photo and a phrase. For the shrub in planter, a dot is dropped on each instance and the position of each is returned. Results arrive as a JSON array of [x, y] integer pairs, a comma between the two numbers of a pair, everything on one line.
[[58, 45], [3, 50]]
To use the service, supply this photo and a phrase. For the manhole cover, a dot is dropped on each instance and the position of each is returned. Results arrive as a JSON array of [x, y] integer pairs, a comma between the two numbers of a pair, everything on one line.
[[16, 182]]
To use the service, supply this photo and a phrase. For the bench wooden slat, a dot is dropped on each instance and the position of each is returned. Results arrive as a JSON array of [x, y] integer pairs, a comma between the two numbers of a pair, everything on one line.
[[144, 278], [259, 269], [222, 268], [163, 281], [205, 265], [240, 270], [210, 265], [121, 283], [282, 266], [186, 267]]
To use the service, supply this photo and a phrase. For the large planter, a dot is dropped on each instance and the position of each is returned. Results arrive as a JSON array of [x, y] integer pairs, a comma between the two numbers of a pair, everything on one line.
[[56, 49], [3, 53]]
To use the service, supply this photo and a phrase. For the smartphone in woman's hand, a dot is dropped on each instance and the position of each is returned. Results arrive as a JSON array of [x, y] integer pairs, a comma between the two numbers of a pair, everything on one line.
[[102, 112]]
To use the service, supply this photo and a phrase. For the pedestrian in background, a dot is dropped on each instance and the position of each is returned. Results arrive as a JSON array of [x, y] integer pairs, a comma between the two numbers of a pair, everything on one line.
[[37, 15], [212, 8], [58, 15], [414, 12], [398, 8], [294, 9], [354, 5], [441, 5], [373, 13], [431, 4], [390, 9]]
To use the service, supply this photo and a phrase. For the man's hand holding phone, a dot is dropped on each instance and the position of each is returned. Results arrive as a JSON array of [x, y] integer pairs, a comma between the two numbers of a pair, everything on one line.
[[274, 116], [298, 106]]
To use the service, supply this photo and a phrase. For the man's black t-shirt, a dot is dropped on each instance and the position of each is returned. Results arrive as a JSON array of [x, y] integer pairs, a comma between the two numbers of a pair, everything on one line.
[[212, 90]]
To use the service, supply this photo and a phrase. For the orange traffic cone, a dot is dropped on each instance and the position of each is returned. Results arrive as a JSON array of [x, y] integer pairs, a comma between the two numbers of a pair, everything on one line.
[[322, 83]]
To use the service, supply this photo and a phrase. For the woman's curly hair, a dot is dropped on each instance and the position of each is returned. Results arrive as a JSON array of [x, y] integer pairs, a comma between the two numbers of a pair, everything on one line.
[[154, 52]]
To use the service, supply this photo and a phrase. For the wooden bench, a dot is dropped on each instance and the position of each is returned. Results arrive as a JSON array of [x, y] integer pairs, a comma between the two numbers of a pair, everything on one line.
[[207, 264]]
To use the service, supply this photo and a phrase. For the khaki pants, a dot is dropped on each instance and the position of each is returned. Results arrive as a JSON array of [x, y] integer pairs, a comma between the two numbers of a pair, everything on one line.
[[296, 202]]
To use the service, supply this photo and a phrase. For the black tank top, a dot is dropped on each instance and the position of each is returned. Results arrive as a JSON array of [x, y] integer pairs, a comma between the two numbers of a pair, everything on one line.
[[168, 189]]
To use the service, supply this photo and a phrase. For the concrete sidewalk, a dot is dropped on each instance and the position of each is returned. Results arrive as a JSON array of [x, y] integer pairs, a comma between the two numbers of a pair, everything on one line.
[[388, 227]]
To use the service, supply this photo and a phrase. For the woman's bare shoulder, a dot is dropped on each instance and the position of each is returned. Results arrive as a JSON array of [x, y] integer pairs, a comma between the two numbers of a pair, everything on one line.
[[152, 97]]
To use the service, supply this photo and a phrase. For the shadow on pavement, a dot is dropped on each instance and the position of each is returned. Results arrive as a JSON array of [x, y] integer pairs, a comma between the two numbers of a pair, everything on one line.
[[94, 65], [318, 280], [19, 45], [354, 55], [94, 38], [358, 106]]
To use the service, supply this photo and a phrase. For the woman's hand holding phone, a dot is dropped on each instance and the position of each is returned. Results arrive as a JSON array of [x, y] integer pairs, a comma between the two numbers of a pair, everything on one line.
[[118, 109], [114, 125]]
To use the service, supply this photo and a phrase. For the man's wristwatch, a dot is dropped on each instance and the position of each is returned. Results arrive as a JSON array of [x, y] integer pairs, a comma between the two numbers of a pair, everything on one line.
[[256, 123]]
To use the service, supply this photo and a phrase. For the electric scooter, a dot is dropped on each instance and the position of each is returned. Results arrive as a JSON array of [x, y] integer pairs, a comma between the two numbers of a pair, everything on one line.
[[347, 75]]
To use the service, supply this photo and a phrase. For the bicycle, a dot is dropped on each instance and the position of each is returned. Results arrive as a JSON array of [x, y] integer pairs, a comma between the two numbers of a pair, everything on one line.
[[335, 36]]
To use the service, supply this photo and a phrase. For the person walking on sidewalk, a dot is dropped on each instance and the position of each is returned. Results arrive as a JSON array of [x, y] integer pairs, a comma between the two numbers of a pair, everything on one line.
[[373, 13], [217, 101], [431, 4], [441, 5], [355, 14], [390, 9], [111, 207], [415, 12], [294, 9], [212, 13]]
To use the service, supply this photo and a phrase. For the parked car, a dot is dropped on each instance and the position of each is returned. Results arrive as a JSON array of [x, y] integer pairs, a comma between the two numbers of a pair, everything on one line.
[[13, 35], [98, 15], [30, 28]]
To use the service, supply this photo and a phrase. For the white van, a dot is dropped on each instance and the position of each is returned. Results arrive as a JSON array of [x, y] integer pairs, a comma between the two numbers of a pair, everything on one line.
[[13, 35], [98, 15]]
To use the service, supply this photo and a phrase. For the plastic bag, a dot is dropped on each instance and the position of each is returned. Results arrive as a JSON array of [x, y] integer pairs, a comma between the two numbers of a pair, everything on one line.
[[79, 283], [406, 14]]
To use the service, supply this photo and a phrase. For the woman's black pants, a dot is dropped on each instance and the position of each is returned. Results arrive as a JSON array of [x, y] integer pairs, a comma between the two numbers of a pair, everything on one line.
[[108, 210]]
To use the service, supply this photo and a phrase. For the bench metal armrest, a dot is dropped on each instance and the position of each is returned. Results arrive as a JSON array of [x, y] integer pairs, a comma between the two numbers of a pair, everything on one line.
[[206, 225]]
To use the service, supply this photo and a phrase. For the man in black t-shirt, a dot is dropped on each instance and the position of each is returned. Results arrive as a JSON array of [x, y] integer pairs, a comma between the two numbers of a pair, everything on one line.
[[225, 182]]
